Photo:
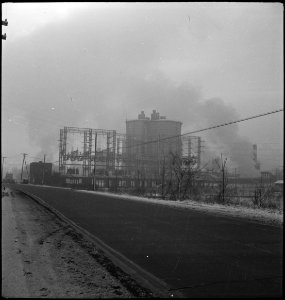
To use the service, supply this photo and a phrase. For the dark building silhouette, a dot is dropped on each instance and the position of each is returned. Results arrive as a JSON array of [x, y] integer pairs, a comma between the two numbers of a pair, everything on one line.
[[40, 173]]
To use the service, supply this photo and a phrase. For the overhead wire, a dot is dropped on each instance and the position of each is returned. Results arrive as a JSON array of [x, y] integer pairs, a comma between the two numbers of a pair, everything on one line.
[[206, 129], [166, 139]]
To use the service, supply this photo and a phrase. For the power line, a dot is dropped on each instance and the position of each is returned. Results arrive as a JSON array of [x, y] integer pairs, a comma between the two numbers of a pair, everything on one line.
[[212, 127], [200, 130], [208, 128]]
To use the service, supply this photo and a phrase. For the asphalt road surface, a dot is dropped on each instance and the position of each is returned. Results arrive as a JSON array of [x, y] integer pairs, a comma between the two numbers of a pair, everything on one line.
[[198, 254]]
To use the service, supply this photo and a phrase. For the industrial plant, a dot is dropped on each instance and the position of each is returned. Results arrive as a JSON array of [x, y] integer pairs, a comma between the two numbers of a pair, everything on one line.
[[153, 157], [108, 159]]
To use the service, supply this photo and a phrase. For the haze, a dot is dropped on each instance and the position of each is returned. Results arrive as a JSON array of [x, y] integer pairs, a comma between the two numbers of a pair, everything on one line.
[[97, 64]]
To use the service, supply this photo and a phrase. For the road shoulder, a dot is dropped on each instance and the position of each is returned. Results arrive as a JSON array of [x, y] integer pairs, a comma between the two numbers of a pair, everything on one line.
[[13, 279], [41, 258]]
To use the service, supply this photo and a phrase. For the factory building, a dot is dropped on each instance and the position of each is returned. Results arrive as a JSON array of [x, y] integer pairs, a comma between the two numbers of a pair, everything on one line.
[[40, 173], [142, 153]]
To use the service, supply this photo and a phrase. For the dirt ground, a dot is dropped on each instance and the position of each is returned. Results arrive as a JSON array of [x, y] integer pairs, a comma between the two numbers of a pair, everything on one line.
[[44, 257]]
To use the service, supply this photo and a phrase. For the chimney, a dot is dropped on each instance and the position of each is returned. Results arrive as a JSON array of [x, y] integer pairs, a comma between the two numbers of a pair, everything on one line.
[[141, 116], [154, 115]]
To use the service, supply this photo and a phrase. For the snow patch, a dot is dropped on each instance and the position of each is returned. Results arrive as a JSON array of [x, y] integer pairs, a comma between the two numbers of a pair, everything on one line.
[[267, 216]]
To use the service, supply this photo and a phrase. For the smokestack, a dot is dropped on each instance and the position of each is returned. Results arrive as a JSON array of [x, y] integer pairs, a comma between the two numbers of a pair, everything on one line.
[[256, 162], [254, 152], [141, 116], [155, 115]]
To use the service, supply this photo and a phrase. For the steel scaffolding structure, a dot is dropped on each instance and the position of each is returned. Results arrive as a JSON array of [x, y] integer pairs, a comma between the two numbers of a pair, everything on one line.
[[85, 158], [88, 153], [191, 147]]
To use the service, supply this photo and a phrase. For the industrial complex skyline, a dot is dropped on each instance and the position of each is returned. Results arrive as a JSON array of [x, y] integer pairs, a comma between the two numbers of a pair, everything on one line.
[[91, 65]]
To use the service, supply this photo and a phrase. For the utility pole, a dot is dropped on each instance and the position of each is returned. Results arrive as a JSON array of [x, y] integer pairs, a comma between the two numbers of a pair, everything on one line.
[[163, 177], [4, 23], [94, 173], [158, 155], [2, 169], [189, 147], [199, 151], [24, 157], [43, 177], [222, 167], [236, 179], [223, 163], [27, 171]]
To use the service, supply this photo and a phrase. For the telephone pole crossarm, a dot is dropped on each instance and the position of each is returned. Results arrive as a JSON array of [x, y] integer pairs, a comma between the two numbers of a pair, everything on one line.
[[2, 167], [4, 23]]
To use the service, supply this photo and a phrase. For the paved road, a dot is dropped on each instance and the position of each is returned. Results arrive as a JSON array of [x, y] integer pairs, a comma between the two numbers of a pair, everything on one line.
[[198, 254]]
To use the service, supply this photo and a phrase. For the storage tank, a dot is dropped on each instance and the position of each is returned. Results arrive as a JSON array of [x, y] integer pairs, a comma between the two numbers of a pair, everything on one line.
[[142, 131]]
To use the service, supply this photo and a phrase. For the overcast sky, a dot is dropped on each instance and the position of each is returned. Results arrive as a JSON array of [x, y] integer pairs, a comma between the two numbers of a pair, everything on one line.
[[97, 64]]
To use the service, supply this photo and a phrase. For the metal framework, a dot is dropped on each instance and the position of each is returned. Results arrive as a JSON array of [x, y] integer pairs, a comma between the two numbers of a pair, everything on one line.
[[191, 146], [81, 161], [77, 156]]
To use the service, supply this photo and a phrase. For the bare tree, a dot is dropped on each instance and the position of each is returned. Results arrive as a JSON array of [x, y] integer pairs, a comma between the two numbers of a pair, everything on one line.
[[163, 178], [175, 171], [185, 171]]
